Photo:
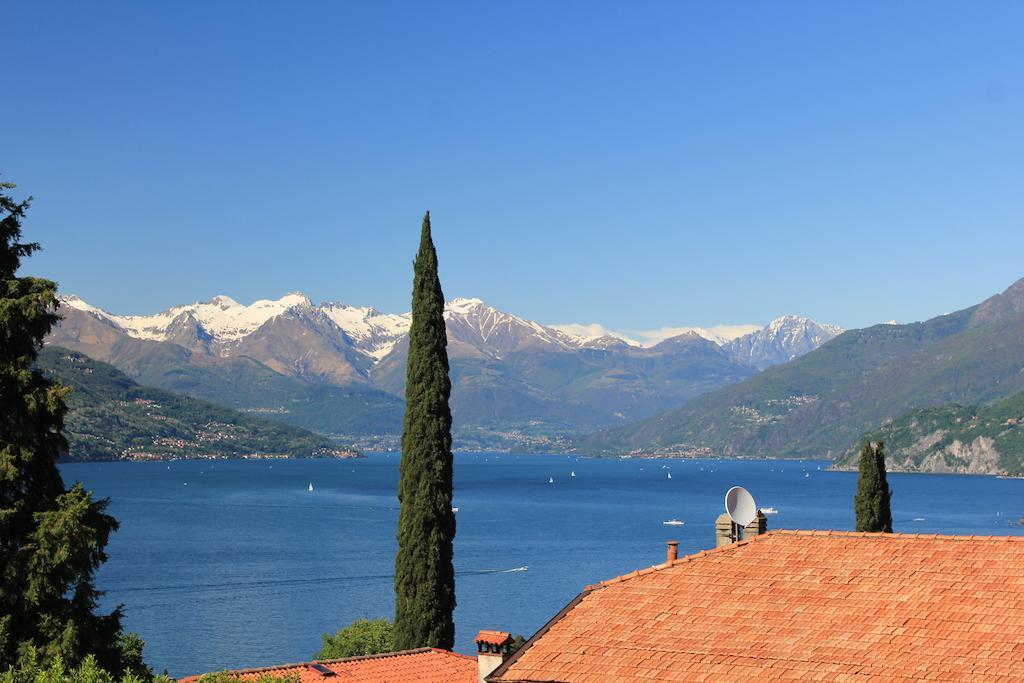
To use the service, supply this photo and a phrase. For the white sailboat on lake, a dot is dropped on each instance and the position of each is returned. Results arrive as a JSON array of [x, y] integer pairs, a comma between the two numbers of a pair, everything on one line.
[[310, 487]]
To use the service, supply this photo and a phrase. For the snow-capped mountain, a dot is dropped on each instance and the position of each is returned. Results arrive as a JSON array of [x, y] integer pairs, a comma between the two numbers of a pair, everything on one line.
[[780, 341], [509, 374], [221, 325], [373, 332], [226, 323]]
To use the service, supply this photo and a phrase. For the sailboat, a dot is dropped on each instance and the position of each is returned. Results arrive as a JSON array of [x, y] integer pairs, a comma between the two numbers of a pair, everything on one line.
[[310, 487], [669, 475], [573, 473], [551, 480]]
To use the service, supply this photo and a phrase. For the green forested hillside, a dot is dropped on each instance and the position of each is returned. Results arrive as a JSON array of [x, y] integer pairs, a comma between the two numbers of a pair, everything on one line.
[[112, 417], [955, 438], [817, 405]]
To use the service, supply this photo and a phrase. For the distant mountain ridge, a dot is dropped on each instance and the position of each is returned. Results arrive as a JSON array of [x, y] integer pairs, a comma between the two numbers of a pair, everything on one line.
[[515, 381], [222, 324], [822, 402]]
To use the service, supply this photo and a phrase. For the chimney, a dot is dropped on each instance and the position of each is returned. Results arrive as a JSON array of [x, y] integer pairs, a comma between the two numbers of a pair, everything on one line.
[[673, 551], [724, 525], [492, 649], [757, 527], [723, 530]]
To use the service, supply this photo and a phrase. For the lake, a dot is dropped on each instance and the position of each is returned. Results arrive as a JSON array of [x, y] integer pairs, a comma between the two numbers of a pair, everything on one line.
[[235, 563]]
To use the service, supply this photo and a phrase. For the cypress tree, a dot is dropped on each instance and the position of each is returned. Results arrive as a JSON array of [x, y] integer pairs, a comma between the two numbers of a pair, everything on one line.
[[52, 539], [424, 574], [871, 504]]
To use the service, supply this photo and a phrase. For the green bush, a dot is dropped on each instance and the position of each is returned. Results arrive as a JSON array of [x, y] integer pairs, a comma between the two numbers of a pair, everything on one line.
[[361, 637], [57, 672], [228, 677]]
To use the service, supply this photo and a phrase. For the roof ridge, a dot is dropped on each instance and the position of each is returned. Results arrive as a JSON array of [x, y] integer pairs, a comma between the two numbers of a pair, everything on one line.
[[793, 532], [341, 660], [442, 651], [883, 534]]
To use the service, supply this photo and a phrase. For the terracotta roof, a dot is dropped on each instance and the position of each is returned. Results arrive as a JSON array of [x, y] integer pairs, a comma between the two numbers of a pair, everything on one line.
[[493, 637], [425, 665], [797, 605]]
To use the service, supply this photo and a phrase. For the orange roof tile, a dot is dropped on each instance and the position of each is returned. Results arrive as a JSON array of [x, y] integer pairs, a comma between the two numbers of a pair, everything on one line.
[[425, 665], [791, 605], [498, 638]]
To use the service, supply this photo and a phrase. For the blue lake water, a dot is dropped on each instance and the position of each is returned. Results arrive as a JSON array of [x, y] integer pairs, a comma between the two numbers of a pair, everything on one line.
[[235, 563]]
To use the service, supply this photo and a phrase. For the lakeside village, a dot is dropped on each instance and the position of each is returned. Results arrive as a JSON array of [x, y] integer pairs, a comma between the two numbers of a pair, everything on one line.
[[758, 604]]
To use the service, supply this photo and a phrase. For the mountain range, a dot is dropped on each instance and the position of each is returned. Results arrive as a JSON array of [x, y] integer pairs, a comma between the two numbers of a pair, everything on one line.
[[824, 401], [340, 370]]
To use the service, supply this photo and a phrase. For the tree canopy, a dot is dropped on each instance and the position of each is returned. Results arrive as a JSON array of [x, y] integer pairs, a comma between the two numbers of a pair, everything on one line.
[[361, 637], [52, 538], [872, 501], [424, 573]]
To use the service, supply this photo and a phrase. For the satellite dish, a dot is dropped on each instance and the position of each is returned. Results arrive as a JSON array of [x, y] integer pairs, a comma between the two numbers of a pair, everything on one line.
[[740, 506]]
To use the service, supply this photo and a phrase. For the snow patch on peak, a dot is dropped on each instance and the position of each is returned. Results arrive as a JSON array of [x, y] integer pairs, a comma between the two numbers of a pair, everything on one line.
[[719, 334], [224, 301], [463, 305], [593, 335], [780, 341], [76, 302], [373, 332], [222, 317]]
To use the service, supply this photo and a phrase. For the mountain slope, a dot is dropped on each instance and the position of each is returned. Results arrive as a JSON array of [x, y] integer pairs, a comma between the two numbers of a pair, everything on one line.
[[111, 417], [547, 386], [822, 401], [953, 438], [241, 382]]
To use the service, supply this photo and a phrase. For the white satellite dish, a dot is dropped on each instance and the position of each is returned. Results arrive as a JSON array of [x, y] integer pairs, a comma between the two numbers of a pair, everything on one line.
[[740, 506]]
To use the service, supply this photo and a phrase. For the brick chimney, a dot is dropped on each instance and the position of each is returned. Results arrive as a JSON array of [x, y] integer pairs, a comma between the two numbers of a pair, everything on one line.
[[492, 649], [723, 529], [673, 551]]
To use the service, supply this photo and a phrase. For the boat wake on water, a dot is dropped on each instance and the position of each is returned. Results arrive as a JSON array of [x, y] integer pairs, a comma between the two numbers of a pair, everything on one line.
[[294, 581], [524, 568]]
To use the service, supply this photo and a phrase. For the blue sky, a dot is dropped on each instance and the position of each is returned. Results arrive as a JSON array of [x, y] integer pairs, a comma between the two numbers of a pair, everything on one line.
[[632, 164]]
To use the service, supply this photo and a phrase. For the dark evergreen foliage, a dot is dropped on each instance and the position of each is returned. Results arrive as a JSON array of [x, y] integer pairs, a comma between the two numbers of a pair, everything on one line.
[[424, 574], [52, 539], [871, 504]]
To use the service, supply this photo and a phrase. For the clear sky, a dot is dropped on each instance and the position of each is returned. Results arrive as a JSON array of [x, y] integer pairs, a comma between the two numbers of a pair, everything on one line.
[[631, 164]]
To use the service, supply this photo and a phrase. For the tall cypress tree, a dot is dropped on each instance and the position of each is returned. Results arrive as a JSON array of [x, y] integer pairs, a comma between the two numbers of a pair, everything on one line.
[[52, 539], [424, 574], [871, 504]]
